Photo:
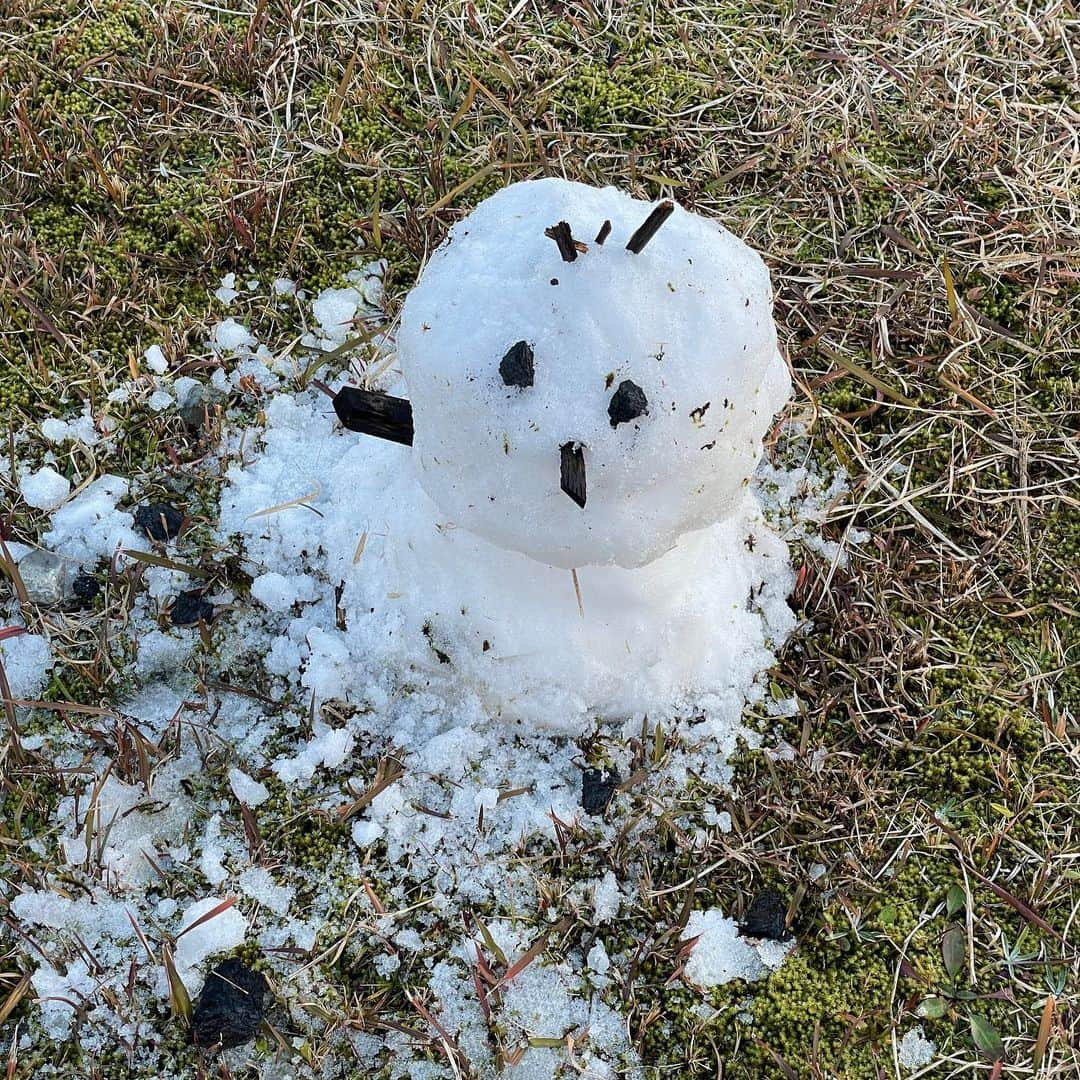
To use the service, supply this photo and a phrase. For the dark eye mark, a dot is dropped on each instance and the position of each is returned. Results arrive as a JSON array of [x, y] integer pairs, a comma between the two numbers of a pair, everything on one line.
[[627, 403], [516, 366]]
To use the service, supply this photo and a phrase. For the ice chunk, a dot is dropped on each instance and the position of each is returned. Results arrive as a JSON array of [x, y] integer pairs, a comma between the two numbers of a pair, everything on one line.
[[334, 310], [231, 336], [218, 934], [661, 368], [915, 1050], [227, 291], [155, 360], [250, 792], [45, 489], [27, 661]]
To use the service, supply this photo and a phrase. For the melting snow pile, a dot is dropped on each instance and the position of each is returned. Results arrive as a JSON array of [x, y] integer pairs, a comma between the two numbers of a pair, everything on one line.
[[414, 670]]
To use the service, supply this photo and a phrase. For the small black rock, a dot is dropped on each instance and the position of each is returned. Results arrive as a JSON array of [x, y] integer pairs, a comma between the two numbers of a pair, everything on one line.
[[627, 403], [160, 520], [597, 787], [230, 1007], [516, 367], [191, 607], [84, 587], [765, 917]]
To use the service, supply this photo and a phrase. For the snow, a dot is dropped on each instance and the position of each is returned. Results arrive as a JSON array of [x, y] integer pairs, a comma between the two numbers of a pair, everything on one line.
[[334, 310], [45, 489], [379, 631], [328, 747], [27, 661], [90, 526], [80, 429], [721, 954], [915, 1050], [155, 360], [159, 401], [219, 934], [250, 792], [278, 592], [688, 321]]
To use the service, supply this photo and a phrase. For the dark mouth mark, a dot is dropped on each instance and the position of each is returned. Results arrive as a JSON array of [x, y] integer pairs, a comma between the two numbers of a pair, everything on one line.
[[572, 472]]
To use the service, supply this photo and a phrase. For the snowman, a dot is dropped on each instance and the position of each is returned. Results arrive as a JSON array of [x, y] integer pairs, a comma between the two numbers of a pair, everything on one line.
[[589, 380]]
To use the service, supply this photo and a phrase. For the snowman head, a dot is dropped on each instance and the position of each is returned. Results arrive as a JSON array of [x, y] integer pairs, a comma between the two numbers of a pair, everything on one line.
[[590, 377]]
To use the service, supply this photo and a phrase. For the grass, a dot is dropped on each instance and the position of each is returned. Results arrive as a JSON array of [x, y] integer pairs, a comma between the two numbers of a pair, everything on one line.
[[911, 175]]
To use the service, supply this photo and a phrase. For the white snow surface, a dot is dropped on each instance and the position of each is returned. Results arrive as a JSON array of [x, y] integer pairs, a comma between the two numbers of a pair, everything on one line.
[[27, 661], [688, 320], [198, 940]]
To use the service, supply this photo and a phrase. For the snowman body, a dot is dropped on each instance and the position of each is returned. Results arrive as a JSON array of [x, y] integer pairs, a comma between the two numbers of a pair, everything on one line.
[[656, 371]]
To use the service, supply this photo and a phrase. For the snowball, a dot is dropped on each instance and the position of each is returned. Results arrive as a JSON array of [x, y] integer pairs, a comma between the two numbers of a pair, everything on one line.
[[249, 792], [45, 489], [687, 323], [915, 1050], [223, 932], [720, 954], [155, 360]]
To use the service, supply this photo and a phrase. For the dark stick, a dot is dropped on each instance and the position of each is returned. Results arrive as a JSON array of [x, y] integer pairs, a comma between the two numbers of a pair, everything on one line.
[[648, 228], [572, 477], [602, 235], [564, 238], [380, 415]]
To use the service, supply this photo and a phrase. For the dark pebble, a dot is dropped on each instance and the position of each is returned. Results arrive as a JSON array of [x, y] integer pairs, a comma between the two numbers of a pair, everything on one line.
[[191, 607], [597, 787], [230, 1007], [765, 917], [84, 587], [160, 520]]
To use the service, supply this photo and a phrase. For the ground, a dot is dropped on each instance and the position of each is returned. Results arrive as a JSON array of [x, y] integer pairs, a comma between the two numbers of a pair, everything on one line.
[[909, 173]]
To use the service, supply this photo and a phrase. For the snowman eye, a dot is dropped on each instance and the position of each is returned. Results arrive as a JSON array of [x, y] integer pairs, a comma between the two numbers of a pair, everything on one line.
[[572, 472], [516, 366], [627, 403]]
